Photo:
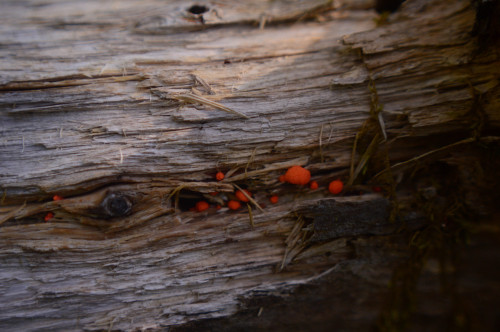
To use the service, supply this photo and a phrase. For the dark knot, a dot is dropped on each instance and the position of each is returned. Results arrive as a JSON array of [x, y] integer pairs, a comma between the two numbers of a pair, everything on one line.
[[116, 205]]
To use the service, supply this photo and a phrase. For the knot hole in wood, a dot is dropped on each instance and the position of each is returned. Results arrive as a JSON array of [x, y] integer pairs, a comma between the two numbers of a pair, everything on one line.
[[116, 205]]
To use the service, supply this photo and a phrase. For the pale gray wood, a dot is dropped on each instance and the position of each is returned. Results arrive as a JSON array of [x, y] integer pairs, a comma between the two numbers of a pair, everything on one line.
[[85, 111]]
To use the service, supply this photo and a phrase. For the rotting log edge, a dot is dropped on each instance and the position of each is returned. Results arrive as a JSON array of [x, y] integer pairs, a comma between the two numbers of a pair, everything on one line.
[[89, 135]]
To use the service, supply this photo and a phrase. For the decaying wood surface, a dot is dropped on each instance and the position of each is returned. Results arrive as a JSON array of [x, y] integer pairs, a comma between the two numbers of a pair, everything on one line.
[[100, 103]]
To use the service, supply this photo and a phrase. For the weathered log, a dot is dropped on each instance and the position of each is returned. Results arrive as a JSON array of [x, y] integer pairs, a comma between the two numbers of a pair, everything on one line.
[[124, 109]]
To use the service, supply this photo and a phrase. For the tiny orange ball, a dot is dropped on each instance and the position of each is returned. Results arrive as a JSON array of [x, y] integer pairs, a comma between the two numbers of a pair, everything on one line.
[[48, 216], [57, 198], [273, 199], [239, 195], [233, 205], [313, 185], [335, 187], [201, 206], [219, 176]]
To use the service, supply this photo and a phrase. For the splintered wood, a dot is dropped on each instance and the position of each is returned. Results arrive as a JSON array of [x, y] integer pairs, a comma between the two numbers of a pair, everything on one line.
[[127, 110]]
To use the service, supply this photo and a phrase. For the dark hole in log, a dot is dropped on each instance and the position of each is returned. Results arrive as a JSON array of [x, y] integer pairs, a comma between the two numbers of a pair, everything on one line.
[[116, 205], [188, 199], [197, 9], [387, 5]]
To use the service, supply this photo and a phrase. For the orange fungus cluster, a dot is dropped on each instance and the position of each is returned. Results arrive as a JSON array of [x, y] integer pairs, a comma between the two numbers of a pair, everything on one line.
[[233, 205], [201, 206], [301, 176], [241, 196], [297, 175], [219, 176], [335, 187], [273, 199], [48, 216]]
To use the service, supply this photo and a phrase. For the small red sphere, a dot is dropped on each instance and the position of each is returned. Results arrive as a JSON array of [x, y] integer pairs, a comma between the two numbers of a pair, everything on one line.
[[313, 185], [335, 187], [233, 205], [201, 206], [273, 199], [57, 198], [48, 216], [297, 175], [239, 195], [219, 176]]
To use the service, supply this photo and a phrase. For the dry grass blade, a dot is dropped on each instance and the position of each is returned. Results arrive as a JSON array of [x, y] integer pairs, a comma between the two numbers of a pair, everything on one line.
[[250, 215], [204, 84], [192, 98], [428, 154], [353, 154], [250, 160], [382, 124], [13, 214], [230, 172], [249, 198], [364, 159], [292, 249], [321, 144], [176, 190]]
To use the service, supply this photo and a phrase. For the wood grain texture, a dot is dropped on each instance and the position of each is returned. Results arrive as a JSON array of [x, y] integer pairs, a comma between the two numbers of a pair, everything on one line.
[[86, 112]]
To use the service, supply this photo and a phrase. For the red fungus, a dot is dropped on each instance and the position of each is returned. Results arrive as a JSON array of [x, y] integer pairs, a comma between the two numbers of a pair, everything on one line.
[[214, 193], [273, 199], [48, 216], [239, 195], [219, 176], [297, 175], [217, 207], [313, 185], [233, 205], [57, 198], [335, 187], [282, 178], [201, 206]]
